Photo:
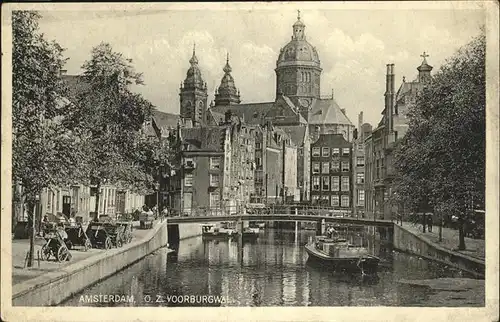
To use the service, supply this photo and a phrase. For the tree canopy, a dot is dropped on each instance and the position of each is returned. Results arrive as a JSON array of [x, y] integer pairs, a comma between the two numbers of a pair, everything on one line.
[[441, 159], [44, 150]]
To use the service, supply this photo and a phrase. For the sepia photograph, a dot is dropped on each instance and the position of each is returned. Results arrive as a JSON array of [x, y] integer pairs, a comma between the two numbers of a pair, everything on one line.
[[250, 155]]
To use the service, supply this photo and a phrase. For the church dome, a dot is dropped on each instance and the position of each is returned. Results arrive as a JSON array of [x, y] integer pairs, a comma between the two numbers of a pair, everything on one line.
[[193, 75], [298, 51]]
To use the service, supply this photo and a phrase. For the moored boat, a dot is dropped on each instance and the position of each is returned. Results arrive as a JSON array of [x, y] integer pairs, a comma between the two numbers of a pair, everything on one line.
[[342, 256], [250, 233], [214, 231]]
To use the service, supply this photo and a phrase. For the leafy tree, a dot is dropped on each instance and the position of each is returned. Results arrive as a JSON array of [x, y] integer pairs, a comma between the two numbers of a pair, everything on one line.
[[111, 118], [44, 150], [441, 159]]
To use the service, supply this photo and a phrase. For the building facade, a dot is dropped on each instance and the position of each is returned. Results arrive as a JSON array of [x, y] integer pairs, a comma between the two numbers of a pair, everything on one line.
[[359, 167], [380, 144], [331, 173]]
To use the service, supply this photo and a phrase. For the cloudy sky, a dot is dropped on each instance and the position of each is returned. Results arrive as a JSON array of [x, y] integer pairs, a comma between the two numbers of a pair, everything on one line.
[[354, 45]]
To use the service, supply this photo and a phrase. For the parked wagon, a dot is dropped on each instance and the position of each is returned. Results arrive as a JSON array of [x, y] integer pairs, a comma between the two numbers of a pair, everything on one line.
[[77, 237], [55, 246], [127, 233], [116, 232], [98, 235]]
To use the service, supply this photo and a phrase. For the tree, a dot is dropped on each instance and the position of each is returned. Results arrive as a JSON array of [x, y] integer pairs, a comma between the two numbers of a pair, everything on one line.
[[44, 150], [111, 118], [441, 160]]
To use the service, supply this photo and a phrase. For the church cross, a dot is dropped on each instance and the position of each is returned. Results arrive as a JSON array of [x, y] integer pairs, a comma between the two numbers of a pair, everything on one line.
[[424, 55], [298, 14]]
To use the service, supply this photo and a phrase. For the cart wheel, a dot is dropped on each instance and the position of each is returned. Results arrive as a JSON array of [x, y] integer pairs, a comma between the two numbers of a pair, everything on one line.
[[87, 245], [108, 244], [45, 252], [119, 242], [62, 254]]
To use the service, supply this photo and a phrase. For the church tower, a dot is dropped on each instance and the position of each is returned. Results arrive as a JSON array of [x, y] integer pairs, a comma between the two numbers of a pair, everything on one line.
[[226, 93], [424, 70], [298, 71], [193, 95]]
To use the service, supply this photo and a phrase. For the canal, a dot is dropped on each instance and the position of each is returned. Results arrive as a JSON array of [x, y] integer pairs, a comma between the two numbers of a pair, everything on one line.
[[272, 271]]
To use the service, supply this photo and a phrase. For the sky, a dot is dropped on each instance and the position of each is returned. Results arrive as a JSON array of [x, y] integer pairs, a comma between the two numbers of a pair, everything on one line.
[[354, 45]]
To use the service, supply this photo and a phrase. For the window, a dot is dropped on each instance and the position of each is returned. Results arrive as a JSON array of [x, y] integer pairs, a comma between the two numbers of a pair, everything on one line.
[[188, 180], [214, 180], [345, 166], [361, 197], [315, 152], [326, 183], [315, 183], [335, 183], [335, 201], [315, 167], [345, 183], [214, 163], [325, 200], [360, 161], [325, 152], [335, 166], [258, 146], [214, 200], [360, 177], [345, 151], [258, 162], [325, 167], [335, 151], [315, 199], [345, 201]]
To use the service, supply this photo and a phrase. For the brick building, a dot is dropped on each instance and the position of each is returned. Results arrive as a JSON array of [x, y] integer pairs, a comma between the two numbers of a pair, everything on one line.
[[331, 173], [380, 144]]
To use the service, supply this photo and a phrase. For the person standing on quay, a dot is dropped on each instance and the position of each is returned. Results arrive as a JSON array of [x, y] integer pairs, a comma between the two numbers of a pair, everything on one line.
[[429, 223]]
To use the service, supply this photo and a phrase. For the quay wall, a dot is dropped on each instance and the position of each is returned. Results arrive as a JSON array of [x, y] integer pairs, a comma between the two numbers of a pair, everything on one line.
[[407, 241], [189, 230], [54, 287]]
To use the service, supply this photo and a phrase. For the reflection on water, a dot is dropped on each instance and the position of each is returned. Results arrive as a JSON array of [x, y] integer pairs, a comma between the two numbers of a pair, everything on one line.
[[271, 271]]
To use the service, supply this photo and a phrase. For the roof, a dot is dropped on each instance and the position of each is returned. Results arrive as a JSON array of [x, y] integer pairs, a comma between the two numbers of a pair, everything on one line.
[[165, 120], [296, 132], [251, 113], [204, 138], [331, 140], [408, 88], [327, 111], [217, 117]]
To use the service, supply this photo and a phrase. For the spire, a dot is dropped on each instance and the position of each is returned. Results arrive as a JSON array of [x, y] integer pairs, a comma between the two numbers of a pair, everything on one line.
[[298, 14], [194, 61], [227, 93], [227, 69]]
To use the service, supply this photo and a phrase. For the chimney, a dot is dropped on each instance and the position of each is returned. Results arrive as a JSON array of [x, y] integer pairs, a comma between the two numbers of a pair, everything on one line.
[[389, 95], [360, 120], [392, 97]]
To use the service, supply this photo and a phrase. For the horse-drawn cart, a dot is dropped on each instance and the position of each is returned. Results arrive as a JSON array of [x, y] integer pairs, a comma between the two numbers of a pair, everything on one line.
[[98, 236]]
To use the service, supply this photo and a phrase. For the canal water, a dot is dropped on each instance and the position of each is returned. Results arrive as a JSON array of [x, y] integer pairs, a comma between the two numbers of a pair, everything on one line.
[[271, 271]]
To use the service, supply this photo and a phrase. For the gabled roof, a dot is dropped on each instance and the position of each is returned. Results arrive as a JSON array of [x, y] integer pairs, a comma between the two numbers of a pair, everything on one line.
[[165, 120], [204, 138], [327, 111], [331, 140], [408, 88], [297, 133], [216, 118]]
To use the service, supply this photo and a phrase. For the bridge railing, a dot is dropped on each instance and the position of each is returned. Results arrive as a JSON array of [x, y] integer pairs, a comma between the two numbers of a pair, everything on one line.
[[292, 209]]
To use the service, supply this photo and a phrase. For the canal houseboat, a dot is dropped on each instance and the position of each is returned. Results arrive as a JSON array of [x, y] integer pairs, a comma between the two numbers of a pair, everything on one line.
[[340, 255]]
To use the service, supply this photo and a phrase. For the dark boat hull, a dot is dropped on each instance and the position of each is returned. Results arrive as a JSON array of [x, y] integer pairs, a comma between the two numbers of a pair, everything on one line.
[[218, 236], [366, 264]]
